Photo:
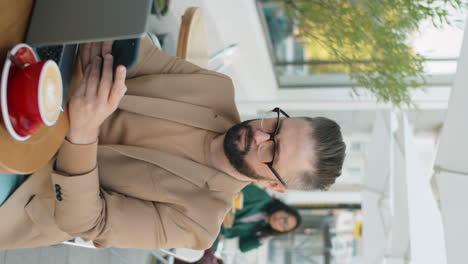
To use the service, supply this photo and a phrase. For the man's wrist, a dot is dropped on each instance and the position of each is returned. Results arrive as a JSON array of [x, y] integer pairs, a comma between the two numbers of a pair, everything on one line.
[[81, 141], [82, 138]]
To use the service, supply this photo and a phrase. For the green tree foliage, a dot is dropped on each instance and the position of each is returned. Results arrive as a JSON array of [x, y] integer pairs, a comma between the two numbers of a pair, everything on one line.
[[377, 32]]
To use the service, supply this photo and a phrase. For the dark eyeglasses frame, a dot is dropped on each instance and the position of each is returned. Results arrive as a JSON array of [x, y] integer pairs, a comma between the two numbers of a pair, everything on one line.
[[272, 138], [284, 219]]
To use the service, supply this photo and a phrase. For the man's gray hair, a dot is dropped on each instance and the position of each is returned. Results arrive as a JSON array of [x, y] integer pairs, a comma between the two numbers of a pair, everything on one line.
[[329, 149]]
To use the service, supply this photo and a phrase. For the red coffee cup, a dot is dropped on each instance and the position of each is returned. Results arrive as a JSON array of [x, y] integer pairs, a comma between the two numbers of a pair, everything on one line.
[[34, 97]]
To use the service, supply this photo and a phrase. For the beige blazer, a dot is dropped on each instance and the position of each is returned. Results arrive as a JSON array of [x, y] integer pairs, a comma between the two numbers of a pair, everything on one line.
[[134, 197]]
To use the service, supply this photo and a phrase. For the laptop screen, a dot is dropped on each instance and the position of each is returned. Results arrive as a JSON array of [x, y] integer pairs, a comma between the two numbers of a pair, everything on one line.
[[70, 21]]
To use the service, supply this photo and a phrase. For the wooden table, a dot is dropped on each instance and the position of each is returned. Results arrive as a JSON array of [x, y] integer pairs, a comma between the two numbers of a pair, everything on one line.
[[24, 157]]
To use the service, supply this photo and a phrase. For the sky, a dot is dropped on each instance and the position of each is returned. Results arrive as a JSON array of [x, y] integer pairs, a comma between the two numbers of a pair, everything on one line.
[[441, 43]]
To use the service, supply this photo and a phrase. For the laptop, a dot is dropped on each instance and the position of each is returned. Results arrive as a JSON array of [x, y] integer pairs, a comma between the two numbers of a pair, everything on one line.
[[56, 22], [57, 27]]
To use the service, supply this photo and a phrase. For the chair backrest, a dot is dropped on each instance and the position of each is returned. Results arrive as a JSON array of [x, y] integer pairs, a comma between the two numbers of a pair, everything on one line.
[[193, 42]]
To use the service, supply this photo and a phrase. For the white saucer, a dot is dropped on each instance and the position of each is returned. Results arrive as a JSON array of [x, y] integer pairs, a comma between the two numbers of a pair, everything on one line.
[[3, 92]]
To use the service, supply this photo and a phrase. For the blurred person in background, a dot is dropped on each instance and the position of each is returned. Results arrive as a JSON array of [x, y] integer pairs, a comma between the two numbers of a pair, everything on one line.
[[260, 219]]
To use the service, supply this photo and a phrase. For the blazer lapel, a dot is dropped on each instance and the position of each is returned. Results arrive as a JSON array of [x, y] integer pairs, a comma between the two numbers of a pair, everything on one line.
[[193, 172], [185, 113]]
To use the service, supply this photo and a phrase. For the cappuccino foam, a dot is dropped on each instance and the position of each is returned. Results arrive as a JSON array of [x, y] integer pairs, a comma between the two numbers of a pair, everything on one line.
[[50, 93]]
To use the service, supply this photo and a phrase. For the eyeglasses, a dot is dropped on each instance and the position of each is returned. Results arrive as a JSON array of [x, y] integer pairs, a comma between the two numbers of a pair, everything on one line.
[[285, 222], [273, 131]]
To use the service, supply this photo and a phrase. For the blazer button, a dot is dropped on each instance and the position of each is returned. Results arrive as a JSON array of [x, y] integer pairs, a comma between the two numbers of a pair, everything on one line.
[[57, 187], [59, 197]]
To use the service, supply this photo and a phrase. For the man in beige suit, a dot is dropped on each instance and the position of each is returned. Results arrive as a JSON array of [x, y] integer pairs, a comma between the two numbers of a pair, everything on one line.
[[171, 156]]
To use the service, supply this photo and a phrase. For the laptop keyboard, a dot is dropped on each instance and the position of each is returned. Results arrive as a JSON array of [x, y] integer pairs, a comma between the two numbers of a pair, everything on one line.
[[50, 53]]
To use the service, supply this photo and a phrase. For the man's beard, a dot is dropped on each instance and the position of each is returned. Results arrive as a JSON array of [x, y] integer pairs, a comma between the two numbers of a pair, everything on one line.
[[236, 156]]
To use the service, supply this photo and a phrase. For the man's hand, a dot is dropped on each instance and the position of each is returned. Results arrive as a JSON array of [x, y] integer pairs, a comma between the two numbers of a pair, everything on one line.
[[95, 99], [90, 50]]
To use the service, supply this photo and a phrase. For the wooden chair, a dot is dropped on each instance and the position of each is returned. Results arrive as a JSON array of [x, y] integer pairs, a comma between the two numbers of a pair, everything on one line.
[[193, 42]]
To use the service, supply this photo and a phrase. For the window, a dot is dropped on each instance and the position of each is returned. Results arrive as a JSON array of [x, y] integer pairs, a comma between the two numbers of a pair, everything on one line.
[[304, 63]]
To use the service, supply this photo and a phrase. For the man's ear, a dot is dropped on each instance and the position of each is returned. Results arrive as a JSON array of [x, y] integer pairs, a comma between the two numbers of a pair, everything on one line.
[[272, 185]]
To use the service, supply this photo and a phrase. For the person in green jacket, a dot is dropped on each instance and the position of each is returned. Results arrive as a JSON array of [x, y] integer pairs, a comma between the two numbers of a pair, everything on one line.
[[260, 218]]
